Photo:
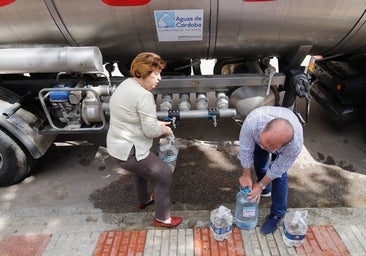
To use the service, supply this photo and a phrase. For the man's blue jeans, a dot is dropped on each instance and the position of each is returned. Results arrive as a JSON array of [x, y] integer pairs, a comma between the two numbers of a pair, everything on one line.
[[279, 185]]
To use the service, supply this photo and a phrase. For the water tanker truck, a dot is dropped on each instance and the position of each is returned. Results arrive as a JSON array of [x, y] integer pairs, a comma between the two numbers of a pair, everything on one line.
[[59, 61]]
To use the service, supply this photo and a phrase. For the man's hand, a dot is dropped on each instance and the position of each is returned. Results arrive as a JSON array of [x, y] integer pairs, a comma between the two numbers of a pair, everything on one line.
[[255, 193], [255, 189], [246, 180]]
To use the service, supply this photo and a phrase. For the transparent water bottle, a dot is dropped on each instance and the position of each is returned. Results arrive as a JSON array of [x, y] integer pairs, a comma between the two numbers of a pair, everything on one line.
[[246, 211], [294, 228], [221, 223], [168, 151]]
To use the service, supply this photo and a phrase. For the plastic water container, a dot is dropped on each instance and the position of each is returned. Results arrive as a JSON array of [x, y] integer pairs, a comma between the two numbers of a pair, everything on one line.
[[246, 212], [168, 151], [221, 223], [294, 228]]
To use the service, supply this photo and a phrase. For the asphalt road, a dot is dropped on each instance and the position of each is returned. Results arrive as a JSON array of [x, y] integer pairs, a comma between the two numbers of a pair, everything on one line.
[[330, 172]]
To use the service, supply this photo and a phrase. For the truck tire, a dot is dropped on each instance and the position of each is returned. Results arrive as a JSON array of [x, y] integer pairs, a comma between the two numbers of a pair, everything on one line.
[[14, 164]]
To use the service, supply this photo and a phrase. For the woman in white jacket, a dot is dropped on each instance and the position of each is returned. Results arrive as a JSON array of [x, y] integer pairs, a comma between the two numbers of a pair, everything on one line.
[[133, 126]]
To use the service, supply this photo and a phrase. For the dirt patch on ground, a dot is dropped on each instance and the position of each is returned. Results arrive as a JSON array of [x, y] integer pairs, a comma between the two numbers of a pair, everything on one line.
[[205, 176], [207, 173]]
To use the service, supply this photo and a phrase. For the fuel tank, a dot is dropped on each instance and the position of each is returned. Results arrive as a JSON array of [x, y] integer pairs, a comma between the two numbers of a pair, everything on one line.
[[187, 29]]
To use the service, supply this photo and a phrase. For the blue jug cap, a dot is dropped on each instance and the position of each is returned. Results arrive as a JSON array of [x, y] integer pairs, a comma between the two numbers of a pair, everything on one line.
[[244, 189]]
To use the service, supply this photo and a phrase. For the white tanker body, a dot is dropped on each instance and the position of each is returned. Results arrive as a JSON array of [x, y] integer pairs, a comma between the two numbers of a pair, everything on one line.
[[221, 29], [52, 54]]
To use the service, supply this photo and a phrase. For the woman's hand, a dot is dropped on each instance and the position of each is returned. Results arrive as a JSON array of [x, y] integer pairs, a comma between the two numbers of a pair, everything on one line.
[[166, 130]]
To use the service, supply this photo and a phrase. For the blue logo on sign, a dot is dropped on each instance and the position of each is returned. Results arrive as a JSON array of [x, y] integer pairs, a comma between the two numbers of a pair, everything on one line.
[[165, 19]]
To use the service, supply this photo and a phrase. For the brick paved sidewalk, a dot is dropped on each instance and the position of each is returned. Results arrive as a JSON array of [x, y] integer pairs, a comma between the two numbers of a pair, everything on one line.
[[80, 232], [320, 240]]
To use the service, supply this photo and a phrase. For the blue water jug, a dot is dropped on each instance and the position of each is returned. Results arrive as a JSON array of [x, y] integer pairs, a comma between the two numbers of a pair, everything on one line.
[[246, 212]]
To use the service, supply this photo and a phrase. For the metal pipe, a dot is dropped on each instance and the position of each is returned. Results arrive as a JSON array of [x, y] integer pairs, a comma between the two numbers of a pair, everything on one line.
[[51, 60], [230, 112]]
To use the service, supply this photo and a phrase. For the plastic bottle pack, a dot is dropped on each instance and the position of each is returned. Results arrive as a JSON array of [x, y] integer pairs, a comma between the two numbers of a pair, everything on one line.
[[294, 228], [221, 223]]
